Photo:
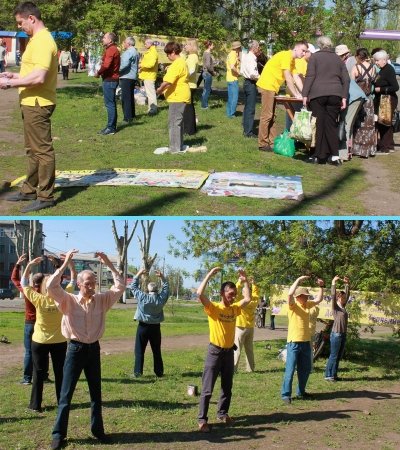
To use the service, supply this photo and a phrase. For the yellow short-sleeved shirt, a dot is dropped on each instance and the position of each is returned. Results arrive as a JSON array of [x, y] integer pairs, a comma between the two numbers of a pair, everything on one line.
[[272, 76], [300, 66], [192, 62], [40, 53], [232, 60], [247, 316], [47, 328], [177, 74], [222, 320], [299, 322]]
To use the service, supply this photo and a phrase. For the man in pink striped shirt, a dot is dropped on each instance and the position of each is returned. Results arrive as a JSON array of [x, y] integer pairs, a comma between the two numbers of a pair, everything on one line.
[[83, 323]]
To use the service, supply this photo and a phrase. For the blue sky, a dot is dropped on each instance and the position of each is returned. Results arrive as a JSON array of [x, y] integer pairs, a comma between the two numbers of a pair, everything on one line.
[[93, 235]]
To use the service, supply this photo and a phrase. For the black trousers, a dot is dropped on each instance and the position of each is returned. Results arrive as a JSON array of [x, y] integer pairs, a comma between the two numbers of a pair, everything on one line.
[[326, 109], [40, 356], [148, 332], [65, 72], [128, 98], [189, 116]]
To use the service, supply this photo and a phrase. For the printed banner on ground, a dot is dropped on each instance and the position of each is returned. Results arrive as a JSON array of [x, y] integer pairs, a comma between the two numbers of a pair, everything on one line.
[[253, 185], [188, 179], [372, 307]]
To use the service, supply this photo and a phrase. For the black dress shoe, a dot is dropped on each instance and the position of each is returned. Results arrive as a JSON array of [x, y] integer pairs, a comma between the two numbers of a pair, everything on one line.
[[266, 148], [56, 443], [37, 205], [20, 197], [250, 135]]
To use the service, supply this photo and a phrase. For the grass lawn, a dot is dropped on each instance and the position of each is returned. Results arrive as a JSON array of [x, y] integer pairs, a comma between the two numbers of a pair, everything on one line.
[[80, 114], [149, 413]]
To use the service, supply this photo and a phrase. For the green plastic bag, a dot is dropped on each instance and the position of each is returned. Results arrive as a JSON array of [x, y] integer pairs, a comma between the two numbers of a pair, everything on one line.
[[284, 145]]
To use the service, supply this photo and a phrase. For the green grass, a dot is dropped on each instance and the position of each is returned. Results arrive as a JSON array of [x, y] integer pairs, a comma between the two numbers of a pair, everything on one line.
[[80, 113], [157, 413]]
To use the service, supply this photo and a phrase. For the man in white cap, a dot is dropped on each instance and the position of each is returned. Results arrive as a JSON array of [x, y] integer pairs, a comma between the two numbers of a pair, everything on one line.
[[298, 340]]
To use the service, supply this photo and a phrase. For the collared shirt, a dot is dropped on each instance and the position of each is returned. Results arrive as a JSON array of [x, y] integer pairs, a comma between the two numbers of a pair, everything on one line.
[[149, 64], [150, 306], [248, 66], [40, 53], [110, 63], [129, 64], [83, 320]]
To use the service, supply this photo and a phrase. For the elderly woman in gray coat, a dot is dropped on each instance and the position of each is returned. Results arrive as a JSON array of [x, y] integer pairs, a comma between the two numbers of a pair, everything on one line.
[[325, 90]]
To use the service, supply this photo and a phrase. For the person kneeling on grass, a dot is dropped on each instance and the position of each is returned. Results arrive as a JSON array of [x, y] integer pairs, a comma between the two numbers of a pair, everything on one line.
[[339, 328], [299, 338], [220, 360]]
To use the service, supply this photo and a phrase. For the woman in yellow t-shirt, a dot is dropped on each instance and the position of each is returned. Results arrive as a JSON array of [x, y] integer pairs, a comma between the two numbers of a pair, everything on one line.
[[192, 62], [175, 87], [47, 337]]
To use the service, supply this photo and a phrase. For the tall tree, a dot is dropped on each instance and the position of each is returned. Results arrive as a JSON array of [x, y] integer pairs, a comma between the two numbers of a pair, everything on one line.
[[144, 243]]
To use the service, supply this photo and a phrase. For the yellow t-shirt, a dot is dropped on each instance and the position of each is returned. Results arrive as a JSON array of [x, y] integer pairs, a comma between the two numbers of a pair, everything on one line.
[[272, 77], [149, 64], [247, 316], [177, 74], [232, 60], [192, 62], [40, 53], [47, 328], [299, 322], [222, 320], [300, 66]]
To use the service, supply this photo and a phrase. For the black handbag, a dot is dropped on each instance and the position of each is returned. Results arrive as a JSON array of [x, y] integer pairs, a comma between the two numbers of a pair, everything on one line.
[[396, 122], [342, 130]]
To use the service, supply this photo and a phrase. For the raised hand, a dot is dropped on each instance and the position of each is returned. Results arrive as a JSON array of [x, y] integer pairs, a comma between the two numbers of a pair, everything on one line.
[[22, 258]]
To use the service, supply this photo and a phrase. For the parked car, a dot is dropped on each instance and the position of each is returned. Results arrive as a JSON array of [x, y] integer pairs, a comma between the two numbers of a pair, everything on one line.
[[396, 68], [6, 293]]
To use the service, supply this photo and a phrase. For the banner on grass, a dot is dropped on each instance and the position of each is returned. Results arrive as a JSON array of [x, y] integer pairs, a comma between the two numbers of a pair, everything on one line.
[[253, 185], [189, 179]]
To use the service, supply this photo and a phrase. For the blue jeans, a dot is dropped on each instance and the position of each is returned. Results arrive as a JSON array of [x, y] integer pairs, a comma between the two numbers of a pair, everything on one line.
[[233, 97], [80, 357], [338, 341], [28, 363], [298, 355], [207, 77], [109, 88], [250, 98]]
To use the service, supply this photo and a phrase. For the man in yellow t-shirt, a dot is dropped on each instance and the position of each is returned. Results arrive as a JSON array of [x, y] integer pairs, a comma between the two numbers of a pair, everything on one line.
[[175, 87], [221, 319], [244, 331], [298, 340], [148, 68], [232, 76], [277, 70], [37, 82]]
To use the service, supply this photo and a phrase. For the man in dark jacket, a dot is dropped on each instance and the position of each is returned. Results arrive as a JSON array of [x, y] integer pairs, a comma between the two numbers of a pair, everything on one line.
[[109, 72]]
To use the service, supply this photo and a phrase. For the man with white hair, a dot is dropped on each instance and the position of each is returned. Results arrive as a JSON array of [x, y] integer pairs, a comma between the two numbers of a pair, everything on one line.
[[149, 313], [148, 68], [128, 71], [299, 338], [248, 69], [83, 323]]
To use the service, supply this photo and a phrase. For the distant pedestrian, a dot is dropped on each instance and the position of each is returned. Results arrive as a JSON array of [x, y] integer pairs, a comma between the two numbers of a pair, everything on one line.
[[149, 314], [65, 61]]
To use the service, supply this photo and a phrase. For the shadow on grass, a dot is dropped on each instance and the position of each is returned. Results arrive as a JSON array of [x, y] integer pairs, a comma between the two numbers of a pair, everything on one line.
[[219, 435], [192, 374], [128, 380], [204, 127], [152, 207], [383, 353], [325, 193], [146, 404], [356, 394], [194, 141], [4, 420]]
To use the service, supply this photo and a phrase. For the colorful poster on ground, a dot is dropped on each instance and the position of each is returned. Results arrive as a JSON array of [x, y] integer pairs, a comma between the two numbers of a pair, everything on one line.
[[188, 179], [253, 185], [372, 307]]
